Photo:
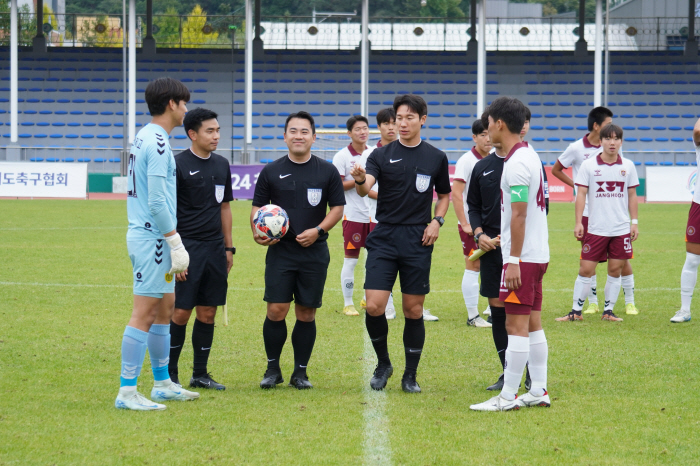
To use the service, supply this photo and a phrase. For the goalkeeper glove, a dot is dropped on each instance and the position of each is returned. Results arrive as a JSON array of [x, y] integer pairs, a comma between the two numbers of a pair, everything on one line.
[[179, 257]]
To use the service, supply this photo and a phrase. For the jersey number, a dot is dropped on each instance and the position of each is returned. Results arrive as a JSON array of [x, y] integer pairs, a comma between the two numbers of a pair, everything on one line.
[[131, 173], [628, 245]]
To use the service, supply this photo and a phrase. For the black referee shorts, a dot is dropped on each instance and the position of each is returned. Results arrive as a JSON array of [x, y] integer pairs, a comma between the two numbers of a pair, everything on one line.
[[207, 278], [295, 273], [398, 249], [491, 269]]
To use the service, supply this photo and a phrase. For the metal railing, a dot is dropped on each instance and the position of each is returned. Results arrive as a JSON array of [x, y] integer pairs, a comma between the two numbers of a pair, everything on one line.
[[344, 33]]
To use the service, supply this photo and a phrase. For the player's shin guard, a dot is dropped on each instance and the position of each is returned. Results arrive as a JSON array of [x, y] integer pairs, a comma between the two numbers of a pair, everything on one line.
[[303, 340], [177, 340], [159, 350], [516, 357], [413, 341], [582, 287], [347, 279], [593, 294], [274, 336], [539, 352], [612, 291], [689, 276], [628, 288], [202, 338], [133, 352], [470, 292], [500, 335], [378, 331]]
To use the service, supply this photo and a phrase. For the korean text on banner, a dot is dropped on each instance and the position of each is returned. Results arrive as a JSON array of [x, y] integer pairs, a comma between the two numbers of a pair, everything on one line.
[[244, 179], [670, 184], [43, 180]]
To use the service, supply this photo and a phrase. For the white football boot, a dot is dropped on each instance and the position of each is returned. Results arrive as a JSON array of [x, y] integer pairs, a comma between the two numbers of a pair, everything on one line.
[[531, 400], [135, 401], [681, 316], [428, 316], [172, 392], [498, 403], [478, 321]]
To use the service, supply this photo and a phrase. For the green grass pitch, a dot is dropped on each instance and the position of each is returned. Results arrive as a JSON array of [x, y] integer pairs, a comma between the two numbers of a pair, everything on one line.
[[622, 393]]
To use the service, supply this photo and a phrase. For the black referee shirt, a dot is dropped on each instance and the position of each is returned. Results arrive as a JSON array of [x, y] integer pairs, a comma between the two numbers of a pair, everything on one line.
[[484, 195], [202, 185], [302, 189], [407, 176]]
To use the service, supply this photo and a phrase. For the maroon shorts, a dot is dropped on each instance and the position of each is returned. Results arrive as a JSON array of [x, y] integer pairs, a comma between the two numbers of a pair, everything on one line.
[[692, 231], [529, 296], [468, 243], [601, 248], [354, 235]]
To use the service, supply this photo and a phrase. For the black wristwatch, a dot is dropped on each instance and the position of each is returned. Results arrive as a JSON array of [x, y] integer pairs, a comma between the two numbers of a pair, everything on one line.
[[321, 231], [477, 236], [440, 220], [232, 250]]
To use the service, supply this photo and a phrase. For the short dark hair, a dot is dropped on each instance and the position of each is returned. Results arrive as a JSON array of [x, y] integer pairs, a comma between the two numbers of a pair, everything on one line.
[[161, 91], [304, 116], [610, 130], [414, 102], [485, 119], [598, 115], [478, 126], [385, 115], [350, 124], [528, 114], [194, 118], [509, 110]]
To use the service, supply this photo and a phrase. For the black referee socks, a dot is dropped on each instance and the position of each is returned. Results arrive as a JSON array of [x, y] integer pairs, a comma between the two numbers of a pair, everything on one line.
[[274, 335], [303, 340], [378, 330], [202, 337], [177, 339], [500, 336], [413, 341]]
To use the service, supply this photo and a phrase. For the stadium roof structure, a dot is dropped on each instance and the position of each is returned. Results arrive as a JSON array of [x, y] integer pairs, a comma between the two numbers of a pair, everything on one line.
[[254, 46]]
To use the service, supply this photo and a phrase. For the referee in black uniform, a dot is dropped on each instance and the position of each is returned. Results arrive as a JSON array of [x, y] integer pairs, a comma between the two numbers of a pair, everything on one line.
[[204, 223], [296, 266], [402, 242]]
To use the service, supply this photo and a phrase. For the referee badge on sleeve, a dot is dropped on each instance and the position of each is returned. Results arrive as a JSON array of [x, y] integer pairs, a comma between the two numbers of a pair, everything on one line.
[[219, 192], [422, 182], [314, 196]]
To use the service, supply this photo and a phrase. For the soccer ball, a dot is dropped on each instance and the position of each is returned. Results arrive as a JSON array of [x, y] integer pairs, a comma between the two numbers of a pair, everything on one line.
[[271, 221]]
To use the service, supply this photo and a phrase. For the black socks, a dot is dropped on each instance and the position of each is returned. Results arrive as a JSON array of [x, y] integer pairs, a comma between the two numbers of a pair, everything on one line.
[[378, 330], [303, 339], [202, 337], [177, 339], [413, 341], [274, 335], [500, 336]]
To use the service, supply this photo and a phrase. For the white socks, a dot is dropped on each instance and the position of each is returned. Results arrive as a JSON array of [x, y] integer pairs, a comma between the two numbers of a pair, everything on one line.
[[689, 277], [628, 288], [593, 295], [470, 292], [347, 279], [581, 288], [539, 352], [612, 290], [517, 355]]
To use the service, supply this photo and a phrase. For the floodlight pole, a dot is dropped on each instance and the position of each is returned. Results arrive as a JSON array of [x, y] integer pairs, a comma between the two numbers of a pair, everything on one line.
[[598, 56], [132, 70], [125, 123], [607, 51], [14, 133], [248, 79], [364, 52], [481, 62]]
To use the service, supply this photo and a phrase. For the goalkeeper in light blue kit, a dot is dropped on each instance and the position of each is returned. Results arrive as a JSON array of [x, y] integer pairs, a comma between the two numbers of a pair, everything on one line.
[[155, 249]]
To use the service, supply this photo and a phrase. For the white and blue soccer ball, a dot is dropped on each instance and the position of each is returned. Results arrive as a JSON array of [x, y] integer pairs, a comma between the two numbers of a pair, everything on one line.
[[271, 221]]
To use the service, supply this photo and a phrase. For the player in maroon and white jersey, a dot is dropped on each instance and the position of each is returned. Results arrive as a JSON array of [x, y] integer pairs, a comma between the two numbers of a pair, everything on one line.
[[609, 183], [689, 275], [588, 147], [525, 249]]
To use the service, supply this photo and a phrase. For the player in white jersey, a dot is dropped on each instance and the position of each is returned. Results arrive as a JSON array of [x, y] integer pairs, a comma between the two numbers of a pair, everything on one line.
[[460, 188], [525, 249], [386, 122], [155, 249], [606, 183], [577, 152], [689, 275], [356, 220]]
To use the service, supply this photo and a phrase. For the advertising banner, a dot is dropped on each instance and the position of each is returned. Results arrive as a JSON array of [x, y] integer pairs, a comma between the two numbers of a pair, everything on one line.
[[670, 184], [558, 191], [243, 180], [19, 179]]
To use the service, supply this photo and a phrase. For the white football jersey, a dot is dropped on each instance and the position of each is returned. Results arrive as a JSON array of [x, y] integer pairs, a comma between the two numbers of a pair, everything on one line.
[[463, 172], [608, 202], [696, 194], [577, 153], [523, 167], [371, 203], [355, 206]]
